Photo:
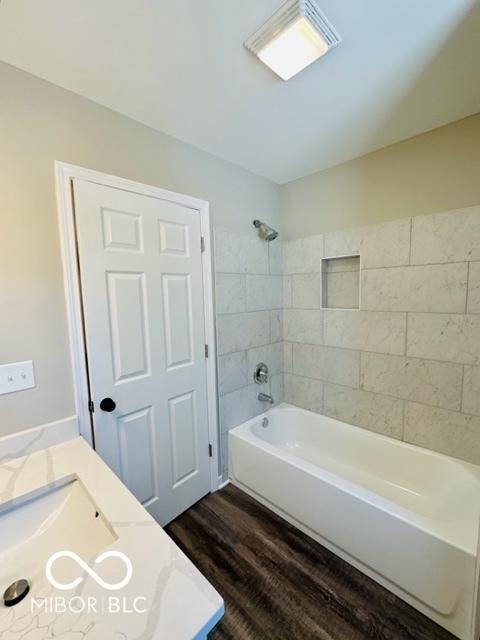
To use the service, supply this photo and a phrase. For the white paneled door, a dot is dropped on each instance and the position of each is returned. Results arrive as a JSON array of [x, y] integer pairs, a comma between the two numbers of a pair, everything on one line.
[[142, 290]]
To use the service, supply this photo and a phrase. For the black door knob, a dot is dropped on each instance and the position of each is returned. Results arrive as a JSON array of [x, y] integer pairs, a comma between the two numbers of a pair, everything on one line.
[[107, 404]]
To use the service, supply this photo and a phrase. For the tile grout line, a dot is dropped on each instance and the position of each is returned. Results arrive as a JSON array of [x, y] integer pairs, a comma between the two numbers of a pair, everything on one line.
[[410, 243], [362, 354], [378, 267], [322, 320], [467, 288], [379, 353], [383, 311], [360, 371], [256, 346], [244, 287], [419, 265], [406, 332], [356, 311], [385, 395]]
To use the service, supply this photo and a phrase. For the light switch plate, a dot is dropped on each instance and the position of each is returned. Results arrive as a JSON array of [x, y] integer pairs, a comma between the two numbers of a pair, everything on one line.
[[16, 376]]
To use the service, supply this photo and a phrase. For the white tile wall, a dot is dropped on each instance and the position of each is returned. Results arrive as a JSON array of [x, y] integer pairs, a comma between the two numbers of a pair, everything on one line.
[[365, 330], [305, 291], [231, 294], [277, 387], [303, 255], [232, 372], [364, 409], [240, 405], [341, 290], [435, 383], [288, 357], [304, 392], [249, 306], [238, 331], [235, 253], [303, 325], [471, 390], [382, 245], [406, 364], [326, 363], [447, 337], [451, 236], [287, 292], [473, 305], [436, 288], [264, 292], [276, 326], [455, 434], [275, 257]]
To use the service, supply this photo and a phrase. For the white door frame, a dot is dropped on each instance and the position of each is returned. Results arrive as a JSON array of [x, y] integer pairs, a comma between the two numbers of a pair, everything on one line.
[[64, 175]]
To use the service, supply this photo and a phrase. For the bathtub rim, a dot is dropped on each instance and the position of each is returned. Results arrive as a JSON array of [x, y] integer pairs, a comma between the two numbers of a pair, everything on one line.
[[244, 432]]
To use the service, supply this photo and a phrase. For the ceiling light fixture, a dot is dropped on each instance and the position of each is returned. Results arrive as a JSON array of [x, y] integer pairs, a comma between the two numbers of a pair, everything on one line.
[[294, 37]]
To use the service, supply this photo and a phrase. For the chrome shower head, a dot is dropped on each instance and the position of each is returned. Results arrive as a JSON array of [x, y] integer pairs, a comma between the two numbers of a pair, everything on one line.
[[268, 233]]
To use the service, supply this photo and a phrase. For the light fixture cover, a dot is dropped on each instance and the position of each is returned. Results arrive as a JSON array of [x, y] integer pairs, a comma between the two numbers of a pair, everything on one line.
[[294, 37]]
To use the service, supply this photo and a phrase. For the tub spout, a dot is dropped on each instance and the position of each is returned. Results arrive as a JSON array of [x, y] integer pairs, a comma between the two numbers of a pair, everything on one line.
[[264, 397]]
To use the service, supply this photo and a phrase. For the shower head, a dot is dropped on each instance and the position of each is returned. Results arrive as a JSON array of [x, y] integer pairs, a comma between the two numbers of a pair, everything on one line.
[[268, 233]]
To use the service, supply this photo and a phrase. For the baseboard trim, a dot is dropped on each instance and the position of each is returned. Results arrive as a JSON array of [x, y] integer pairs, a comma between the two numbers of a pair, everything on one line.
[[222, 485], [28, 441]]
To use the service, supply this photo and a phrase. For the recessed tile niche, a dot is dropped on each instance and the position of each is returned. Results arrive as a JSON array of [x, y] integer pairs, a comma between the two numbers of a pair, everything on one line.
[[341, 282]]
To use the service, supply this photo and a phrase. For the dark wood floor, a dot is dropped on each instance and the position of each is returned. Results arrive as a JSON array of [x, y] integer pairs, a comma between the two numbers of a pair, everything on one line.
[[278, 584]]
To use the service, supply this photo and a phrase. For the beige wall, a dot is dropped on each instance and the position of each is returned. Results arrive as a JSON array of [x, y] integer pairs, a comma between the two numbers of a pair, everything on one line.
[[436, 171], [40, 123]]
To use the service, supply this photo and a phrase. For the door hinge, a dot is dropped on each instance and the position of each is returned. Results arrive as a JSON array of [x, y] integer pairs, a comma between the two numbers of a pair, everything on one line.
[[206, 351], [202, 244], [91, 406], [210, 450]]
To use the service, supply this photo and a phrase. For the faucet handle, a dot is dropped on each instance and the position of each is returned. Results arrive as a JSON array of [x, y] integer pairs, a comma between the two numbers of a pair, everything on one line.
[[260, 373]]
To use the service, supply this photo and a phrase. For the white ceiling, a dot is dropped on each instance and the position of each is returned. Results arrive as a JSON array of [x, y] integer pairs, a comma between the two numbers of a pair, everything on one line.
[[404, 67]]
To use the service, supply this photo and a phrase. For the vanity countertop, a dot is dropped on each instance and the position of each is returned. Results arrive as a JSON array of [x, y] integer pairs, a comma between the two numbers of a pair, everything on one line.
[[179, 603]]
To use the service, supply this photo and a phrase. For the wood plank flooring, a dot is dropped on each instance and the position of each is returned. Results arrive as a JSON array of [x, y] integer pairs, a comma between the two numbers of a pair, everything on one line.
[[278, 584]]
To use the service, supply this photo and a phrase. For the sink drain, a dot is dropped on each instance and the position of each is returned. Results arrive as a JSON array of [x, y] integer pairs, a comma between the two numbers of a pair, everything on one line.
[[16, 592]]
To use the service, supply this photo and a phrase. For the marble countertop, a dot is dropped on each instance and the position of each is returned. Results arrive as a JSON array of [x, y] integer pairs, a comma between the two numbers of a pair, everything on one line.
[[179, 603]]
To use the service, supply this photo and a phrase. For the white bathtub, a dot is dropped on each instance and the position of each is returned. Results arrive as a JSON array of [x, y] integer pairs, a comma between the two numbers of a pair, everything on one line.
[[405, 516]]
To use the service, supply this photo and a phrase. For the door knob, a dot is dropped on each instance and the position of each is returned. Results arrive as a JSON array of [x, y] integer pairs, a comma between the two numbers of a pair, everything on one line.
[[107, 404]]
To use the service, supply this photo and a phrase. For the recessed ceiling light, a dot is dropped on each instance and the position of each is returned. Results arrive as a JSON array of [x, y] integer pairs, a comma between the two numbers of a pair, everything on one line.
[[294, 37]]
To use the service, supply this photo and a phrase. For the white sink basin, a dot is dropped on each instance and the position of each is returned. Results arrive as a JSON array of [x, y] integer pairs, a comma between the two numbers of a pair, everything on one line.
[[35, 526]]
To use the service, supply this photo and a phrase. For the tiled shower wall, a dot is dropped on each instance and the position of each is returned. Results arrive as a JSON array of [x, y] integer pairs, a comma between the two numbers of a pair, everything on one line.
[[407, 364], [249, 301]]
